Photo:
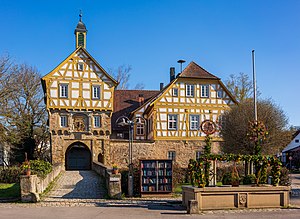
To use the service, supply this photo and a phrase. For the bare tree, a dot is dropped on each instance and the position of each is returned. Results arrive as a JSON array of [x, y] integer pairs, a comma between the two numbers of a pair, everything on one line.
[[240, 86], [122, 75], [236, 123], [22, 112]]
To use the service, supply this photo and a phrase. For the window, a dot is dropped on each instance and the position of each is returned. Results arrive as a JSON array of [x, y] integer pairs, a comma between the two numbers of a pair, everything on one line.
[[63, 90], [175, 92], [297, 140], [96, 92], [171, 155], [63, 121], [120, 135], [80, 66], [97, 122], [220, 94], [189, 90], [80, 39], [172, 122], [194, 122], [205, 90], [140, 129], [198, 154]]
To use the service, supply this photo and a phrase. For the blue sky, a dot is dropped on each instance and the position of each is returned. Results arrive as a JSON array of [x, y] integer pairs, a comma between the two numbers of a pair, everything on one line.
[[152, 35]]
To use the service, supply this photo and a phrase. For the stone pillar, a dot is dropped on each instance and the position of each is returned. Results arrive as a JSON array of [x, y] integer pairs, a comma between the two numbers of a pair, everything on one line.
[[192, 207], [28, 188], [114, 186]]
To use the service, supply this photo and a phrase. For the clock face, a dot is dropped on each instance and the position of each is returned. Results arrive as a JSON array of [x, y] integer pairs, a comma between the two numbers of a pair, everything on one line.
[[208, 127]]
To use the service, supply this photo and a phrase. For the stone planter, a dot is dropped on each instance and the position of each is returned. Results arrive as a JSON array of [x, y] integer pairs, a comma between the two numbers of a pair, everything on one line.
[[213, 198]]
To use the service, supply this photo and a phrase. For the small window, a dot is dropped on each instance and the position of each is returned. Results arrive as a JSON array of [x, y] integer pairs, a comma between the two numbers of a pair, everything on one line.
[[189, 92], [140, 129], [171, 155], [63, 90], [205, 90], [172, 122], [220, 94], [194, 122], [297, 140], [80, 66], [198, 154], [97, 122], [96, 92], [63, 121], [175, 92]]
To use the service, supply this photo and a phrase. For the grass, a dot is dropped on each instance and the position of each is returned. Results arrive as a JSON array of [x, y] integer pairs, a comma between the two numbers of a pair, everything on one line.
[[9, 190], [178, 189]]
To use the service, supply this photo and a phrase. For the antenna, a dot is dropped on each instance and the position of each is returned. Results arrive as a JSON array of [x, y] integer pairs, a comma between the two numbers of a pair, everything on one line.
[[180, 61]]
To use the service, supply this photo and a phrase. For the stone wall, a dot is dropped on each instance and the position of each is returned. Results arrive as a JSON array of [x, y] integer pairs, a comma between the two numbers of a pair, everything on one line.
[[113, 181], [32, 186], [185, 150]]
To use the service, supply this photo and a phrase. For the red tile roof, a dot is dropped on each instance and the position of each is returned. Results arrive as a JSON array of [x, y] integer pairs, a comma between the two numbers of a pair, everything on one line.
[[193, 70], [126, 101]]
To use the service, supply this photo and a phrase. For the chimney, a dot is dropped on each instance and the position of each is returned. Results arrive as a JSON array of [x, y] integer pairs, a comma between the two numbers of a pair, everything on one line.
[[161, 86], [172, 74], [141, 99]]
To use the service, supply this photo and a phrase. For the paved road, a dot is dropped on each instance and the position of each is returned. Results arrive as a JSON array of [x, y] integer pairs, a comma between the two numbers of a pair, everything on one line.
[[157, 212], [77, 186]]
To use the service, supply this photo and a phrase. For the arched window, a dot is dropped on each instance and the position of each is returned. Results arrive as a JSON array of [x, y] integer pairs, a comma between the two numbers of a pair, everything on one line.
[[81, 39]]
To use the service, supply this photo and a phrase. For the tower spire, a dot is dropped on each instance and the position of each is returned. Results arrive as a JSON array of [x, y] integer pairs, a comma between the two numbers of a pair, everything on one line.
[[80, 16], [80, 33]]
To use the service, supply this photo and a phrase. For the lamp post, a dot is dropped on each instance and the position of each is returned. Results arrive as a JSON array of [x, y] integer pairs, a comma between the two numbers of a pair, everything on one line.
[[125, 121]]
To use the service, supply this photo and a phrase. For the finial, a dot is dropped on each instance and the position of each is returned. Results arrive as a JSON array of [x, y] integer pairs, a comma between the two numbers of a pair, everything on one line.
[[80, 16]]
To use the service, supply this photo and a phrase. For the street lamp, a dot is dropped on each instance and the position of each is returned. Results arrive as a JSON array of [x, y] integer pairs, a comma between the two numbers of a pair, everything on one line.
[[125, 121]]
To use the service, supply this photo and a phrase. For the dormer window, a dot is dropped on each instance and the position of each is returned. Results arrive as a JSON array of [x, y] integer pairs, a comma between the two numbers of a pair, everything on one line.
[[296, 140], [80, 66]]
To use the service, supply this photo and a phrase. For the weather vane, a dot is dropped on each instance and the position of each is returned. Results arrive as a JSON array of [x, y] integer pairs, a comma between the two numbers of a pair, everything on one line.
[[80, 16]]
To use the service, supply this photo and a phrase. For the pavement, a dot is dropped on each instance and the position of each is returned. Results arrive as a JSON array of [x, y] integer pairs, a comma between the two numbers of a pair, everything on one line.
[[81, 194]]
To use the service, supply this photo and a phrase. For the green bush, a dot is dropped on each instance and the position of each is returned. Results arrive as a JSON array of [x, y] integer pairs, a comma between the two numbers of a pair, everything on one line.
[[10, 174], [284, 177], [40, 168], [227, 178], [249, 179]]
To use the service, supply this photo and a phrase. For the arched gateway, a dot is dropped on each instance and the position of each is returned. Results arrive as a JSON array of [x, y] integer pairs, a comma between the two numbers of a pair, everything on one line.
[[78, 157]]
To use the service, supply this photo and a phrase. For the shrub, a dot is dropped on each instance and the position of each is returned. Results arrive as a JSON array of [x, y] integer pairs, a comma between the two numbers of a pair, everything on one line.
[[284, 177], [10, 174], [249, 179], [40, 168], [227, 178]]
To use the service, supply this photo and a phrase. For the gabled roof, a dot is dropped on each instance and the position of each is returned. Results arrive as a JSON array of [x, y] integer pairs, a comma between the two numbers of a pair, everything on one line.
[[293, 144], [193, 70], [126, 101], [69, 57]]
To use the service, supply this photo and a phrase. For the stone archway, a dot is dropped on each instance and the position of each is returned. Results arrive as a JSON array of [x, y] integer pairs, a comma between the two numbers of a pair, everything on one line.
[[78, 157]]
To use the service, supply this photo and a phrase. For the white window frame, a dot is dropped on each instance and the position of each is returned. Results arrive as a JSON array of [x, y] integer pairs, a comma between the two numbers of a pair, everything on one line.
[[189, 90], [140, 129], [194, 122], [97, 121], [175, 92], [63, 121], [96, 91], [171, 155], [220, 93], [172, 121], [63, 90], [80, 66], [205, 90]]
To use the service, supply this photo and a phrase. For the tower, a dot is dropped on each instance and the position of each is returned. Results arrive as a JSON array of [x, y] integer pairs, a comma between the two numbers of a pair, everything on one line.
[[80, 33]]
